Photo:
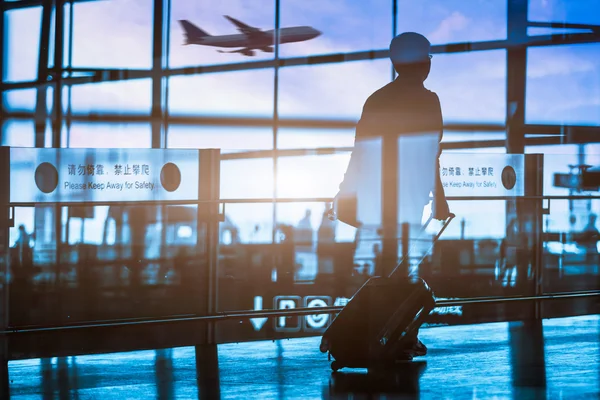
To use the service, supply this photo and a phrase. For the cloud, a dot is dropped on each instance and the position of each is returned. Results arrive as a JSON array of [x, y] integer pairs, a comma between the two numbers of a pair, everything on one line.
[[550, 65], [331, 91], [445, 31]]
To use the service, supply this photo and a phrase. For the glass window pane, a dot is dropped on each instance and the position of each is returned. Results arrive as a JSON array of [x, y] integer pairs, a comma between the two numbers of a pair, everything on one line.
[[575, 12], [247, 179], [252, 223], [483, 219], [22, 43], [20, 100], [211, 32], [299, 138], [114, 34], [134, 96], [563, 85], [331, 91], [571, 249], [310, 230], [451, 21], [107, 135], [557, 159], [345, 26], [311, 176], [228, 139], [245, 93], [18, 133], [471, 86]]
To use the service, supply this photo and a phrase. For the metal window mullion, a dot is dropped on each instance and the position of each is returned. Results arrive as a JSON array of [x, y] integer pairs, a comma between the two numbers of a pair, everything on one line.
[[41, 113], [394, 29], [164, 67], [69, 113], [157, 67], [59, 15], [516, 79], [3, 58], [276, 113]]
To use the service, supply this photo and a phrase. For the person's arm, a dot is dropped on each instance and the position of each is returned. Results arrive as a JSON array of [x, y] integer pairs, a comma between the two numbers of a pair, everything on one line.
[[441, 211], [360, 132], [344, 206]]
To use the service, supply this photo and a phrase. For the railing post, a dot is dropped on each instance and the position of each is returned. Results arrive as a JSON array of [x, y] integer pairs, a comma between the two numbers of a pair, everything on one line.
[[5, 224], [405, 263], [535, 163], [208, 217]]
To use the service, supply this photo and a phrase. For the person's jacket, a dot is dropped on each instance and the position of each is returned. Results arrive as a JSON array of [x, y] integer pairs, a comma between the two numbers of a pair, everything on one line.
[[405, 114]]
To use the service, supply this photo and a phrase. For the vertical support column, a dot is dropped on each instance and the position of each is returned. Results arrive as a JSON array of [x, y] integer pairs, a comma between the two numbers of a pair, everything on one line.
[[57, 122], [516, 69], [41, 113], [69, 119], [207, 359], [158, 104], [208, 216], [3, 58], [276, 111], [44, 218], [59, 43], [532, 214], [158, 41], [5, 224], [4, 264]]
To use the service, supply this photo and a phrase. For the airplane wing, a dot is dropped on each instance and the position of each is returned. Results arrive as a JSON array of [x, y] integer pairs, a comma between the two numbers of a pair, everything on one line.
[[244, 28]]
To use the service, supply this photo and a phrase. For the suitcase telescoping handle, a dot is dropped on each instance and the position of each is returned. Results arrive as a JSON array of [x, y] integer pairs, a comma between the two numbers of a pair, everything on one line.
[[423, 228]]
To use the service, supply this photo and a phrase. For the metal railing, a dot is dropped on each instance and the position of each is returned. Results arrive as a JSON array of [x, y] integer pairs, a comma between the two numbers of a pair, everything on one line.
[[296, 312]]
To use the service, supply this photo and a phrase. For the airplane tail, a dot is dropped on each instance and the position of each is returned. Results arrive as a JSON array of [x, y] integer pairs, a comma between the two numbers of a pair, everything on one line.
[[192, 32]]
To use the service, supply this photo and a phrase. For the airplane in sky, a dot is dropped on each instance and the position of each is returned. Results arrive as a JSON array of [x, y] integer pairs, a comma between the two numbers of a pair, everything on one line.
[[249, 39]]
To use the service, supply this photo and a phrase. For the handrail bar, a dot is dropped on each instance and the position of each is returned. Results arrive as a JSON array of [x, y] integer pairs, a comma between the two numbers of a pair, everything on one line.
[[275, 200], [290, 312]]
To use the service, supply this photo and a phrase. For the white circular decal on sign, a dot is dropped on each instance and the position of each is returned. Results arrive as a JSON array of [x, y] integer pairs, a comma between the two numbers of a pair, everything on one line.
[[320, 320]]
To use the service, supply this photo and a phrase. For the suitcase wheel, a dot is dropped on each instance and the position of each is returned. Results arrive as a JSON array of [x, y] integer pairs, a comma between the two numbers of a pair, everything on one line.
[[335, 366]]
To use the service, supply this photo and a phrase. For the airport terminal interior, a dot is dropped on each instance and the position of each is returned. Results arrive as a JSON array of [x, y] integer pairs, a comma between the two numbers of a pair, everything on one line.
[[169, 217]]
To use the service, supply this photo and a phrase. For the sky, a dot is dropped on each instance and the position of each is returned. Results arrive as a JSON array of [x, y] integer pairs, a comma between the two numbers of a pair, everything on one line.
[[563, 82]]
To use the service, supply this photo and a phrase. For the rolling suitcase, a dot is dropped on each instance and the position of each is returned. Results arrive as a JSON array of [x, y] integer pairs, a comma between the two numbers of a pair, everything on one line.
[[382, 319]]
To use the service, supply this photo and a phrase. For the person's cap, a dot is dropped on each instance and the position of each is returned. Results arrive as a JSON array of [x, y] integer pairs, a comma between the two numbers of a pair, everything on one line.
[[409, 48]]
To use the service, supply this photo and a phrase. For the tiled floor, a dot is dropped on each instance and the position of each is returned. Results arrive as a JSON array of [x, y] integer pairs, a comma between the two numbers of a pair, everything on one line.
[[499, 361]]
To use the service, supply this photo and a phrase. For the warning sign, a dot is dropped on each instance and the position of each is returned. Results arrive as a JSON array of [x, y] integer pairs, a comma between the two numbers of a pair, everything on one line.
[[482, 175], [82, 175]]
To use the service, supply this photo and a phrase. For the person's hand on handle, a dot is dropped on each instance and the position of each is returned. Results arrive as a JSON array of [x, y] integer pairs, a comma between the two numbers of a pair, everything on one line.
[[441, 211]]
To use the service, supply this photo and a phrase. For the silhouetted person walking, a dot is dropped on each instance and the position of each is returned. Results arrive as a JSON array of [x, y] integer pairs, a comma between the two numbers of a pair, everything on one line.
[[397, 137]]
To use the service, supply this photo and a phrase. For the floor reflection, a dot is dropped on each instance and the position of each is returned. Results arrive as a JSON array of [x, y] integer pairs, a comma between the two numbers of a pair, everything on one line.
[[521, 360], [528, 359], [402, 380]]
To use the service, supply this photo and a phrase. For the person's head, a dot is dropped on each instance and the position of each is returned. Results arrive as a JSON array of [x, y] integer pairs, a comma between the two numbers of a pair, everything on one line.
[[410, 55]]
